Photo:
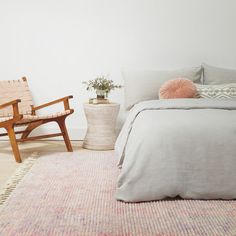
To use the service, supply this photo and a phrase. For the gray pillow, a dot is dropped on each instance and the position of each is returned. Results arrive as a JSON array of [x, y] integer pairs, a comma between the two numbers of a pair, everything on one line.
[[141, 85], [216, 75]]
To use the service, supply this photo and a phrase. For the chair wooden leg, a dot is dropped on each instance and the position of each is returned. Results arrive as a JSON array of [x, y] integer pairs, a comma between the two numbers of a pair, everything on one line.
[[30, 128], [14, 145], [62, 125]]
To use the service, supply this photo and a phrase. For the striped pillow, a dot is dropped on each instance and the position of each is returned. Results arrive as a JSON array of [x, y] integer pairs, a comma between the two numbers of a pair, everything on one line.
[[216, 91]]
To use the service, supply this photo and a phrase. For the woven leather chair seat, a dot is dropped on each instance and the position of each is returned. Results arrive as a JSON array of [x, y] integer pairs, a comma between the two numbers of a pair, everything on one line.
[[30, 118]]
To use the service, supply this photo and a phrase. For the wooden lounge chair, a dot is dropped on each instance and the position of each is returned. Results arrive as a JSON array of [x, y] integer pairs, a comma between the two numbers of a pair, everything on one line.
[[17, 109]]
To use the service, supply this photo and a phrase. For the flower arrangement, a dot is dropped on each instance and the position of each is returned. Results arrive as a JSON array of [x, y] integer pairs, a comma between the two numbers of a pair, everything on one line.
[[102, 85]]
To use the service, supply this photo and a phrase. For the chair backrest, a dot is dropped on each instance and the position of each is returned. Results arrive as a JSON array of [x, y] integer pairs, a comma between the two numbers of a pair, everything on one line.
[[15, 89]]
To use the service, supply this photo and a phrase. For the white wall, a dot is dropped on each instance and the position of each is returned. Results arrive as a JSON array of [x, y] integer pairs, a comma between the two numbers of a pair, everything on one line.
[[59, 43]]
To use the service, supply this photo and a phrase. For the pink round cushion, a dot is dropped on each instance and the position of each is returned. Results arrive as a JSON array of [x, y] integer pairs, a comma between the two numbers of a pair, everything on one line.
[[178, 88]]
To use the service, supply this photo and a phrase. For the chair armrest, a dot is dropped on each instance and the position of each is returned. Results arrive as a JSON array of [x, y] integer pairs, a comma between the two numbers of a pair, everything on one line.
[[65, 101], [14, 105]]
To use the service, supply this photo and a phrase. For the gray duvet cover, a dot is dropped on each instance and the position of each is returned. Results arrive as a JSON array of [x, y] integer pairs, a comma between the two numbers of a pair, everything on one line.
[[184, 147]]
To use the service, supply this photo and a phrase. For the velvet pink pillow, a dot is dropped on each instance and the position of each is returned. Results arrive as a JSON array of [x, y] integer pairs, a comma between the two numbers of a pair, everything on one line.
[[178, 88]]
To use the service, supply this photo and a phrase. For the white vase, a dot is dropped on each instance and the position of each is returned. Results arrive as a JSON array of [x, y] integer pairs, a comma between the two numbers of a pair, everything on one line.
[[101, 94]]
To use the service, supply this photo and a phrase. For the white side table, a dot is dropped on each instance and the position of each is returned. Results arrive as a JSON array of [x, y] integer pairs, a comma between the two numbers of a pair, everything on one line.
[[101, 132]]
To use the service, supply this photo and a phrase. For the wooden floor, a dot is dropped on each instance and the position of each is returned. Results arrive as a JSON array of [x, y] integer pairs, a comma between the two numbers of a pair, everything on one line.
[[7, 161]]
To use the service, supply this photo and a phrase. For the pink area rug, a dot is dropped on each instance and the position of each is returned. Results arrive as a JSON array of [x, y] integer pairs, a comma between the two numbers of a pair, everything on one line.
[[73, 194]]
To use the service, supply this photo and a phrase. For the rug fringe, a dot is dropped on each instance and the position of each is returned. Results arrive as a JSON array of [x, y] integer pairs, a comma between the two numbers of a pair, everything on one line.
[[15, 179]]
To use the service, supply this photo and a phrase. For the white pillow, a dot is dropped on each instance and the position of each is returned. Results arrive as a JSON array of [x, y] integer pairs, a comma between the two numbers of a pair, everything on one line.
[[216, 75], [141, 85], [216, 91]]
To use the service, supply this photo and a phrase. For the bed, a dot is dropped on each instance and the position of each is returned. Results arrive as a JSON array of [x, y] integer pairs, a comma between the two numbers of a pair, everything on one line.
[[178, 147]]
